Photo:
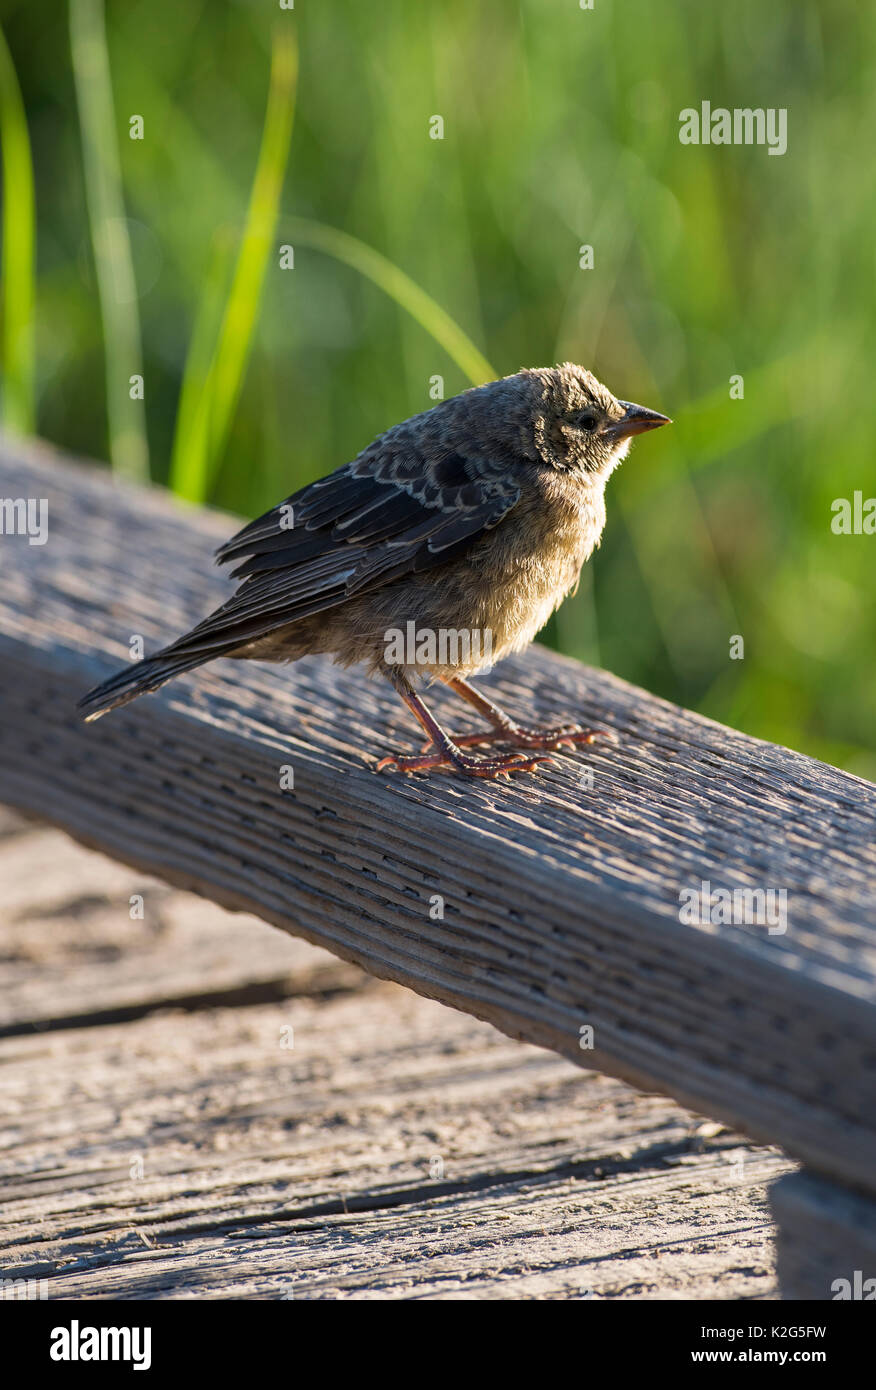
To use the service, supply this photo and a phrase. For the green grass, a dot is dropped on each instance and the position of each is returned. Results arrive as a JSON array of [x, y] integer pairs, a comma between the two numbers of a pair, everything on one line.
[[459, 258], [202, 431], [19, 255], [393, 281], [128, 447]]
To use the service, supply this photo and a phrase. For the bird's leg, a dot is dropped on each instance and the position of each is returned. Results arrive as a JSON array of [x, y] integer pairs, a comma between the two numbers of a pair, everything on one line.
[[445, 749], [507, 730]]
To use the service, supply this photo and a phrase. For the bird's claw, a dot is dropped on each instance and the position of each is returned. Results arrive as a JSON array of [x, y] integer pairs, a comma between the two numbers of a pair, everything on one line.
[[485, 768], [388, 761], [568, 736]]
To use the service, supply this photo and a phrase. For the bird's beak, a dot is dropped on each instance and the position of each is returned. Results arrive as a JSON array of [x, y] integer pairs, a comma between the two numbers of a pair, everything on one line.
[[635, 420]]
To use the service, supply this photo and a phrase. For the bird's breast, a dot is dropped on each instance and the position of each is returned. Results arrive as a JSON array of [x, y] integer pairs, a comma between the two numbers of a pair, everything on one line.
[[524, 570], [490, 601]]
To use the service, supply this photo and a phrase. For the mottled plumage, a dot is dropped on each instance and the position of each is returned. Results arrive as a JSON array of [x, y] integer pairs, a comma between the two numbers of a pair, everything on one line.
[[475, 516]]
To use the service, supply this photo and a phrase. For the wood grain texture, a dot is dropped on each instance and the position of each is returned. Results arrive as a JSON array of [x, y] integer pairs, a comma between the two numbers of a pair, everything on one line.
[[826, 1239], [561, 901], [399, 1151], [349, 1143], [72, 955]]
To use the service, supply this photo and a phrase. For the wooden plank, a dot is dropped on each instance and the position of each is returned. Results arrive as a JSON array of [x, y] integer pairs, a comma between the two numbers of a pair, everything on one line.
[[826, 1239], [73, 954], [399, 1150], [561, 902]]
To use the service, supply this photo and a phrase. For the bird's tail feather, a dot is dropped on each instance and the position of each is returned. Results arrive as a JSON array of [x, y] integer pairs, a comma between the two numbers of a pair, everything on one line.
[[139, 679]]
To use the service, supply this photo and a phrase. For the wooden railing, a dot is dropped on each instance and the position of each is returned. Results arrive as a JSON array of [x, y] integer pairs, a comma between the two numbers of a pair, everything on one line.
[[562, 908]]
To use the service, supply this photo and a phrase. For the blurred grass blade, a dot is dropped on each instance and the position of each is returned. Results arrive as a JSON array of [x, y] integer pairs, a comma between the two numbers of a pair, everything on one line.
[[128, 446], [18, 269], [399, 287], [202, 432], [191, 441], [190, 149]]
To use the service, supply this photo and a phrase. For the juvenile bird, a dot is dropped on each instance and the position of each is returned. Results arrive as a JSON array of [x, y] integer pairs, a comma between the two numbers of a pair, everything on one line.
[[469, 523]]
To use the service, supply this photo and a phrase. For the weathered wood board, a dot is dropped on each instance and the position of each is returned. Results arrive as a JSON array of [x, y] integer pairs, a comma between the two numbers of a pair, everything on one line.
[[73, 954], [561, 898], [827, 1239], [397, 1150]]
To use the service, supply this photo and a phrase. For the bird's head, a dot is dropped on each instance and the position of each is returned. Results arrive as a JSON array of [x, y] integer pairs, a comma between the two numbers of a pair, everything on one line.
[[580, 427]]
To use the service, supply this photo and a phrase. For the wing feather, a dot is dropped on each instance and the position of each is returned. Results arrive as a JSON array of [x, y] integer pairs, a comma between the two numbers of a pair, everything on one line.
[[387, 514]]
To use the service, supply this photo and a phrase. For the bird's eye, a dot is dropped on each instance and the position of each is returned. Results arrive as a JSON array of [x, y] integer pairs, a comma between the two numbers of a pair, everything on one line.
[[587, 420]]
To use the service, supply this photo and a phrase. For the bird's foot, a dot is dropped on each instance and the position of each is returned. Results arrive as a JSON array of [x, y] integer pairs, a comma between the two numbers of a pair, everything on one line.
[[522, 736], [464, 763]]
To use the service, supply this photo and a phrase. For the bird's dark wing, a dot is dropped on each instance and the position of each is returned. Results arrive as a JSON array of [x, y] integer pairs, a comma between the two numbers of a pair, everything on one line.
[[387, 514]]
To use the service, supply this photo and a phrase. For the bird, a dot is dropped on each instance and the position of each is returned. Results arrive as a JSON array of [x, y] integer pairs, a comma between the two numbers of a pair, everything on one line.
[[473, 518]]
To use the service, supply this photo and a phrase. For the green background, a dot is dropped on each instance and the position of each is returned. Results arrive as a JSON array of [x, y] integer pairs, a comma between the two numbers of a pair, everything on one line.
[[561, 129]]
